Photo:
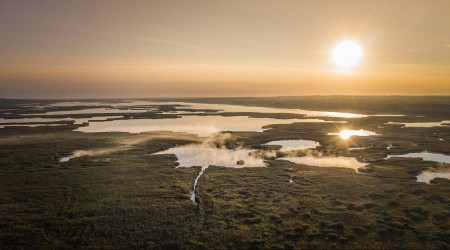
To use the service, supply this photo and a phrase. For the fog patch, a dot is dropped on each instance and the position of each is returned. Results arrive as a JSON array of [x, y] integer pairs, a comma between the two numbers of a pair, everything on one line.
[[94, 152], [212, 152], [204, 155], [128, 143]]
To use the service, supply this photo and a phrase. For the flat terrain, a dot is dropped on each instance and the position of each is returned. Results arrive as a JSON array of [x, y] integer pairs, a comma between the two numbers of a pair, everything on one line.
[[129, 198]]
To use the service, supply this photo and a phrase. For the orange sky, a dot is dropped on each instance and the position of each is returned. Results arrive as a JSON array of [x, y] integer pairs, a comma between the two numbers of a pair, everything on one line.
[[136, 48]]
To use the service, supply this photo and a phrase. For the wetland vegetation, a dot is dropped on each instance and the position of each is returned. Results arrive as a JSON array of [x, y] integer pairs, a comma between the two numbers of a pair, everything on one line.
[[134, 190]]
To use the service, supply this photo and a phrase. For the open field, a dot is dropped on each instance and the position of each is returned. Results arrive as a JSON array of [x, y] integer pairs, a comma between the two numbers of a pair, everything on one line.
[[132, 198]]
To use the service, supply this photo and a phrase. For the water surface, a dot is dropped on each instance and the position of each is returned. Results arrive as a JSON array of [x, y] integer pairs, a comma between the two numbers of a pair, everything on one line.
[[204, 156], [347, 133], [422, 124], [427, 176], [200, 125], [253, 109], [221, 108], [38, 121], [327, 161], [425, 156], [93, 111], [288, 145]]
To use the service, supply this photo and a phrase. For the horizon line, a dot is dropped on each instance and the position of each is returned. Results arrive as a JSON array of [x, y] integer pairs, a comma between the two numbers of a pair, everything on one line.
[[216, 97]]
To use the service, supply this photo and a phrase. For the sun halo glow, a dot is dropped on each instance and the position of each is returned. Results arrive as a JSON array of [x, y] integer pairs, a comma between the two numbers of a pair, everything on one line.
[[346, 54]]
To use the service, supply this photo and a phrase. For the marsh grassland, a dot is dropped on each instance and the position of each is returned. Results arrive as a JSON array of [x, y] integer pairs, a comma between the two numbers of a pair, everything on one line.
[[119, 194]]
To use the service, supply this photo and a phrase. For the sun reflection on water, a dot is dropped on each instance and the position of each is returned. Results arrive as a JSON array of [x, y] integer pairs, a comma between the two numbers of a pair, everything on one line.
[[347, 133]]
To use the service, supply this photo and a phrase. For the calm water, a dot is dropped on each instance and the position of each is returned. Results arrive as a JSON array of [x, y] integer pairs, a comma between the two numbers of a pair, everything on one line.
[[193, 125], [37, 119], [204, 156], [422, 124], [199, 125], [287, 145], [328, 161], [94, 111], [347, 133], [222, 108], [360, 148], [29, 125], [21, 121], [240, 108], [425, 156], [427, 176]]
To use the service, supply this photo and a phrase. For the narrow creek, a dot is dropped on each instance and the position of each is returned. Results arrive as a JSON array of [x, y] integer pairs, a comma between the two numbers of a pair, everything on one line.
[[204, 155], [194, 187]]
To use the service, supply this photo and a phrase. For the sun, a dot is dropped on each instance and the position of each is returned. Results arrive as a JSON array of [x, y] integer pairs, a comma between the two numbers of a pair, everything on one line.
[[346, 54], [345, 134]]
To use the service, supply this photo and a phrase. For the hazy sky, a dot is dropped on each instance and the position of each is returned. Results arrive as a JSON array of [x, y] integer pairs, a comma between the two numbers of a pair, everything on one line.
[[68, 49]]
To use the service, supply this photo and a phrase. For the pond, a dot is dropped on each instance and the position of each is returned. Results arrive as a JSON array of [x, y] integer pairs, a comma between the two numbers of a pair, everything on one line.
[[427, 176], [327, 161], [203, 155], [426, 156], [422, 124], [288, 145]]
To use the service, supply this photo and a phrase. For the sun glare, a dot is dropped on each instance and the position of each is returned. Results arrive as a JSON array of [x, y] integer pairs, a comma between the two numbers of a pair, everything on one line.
[[347, 133], [346, 54]]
